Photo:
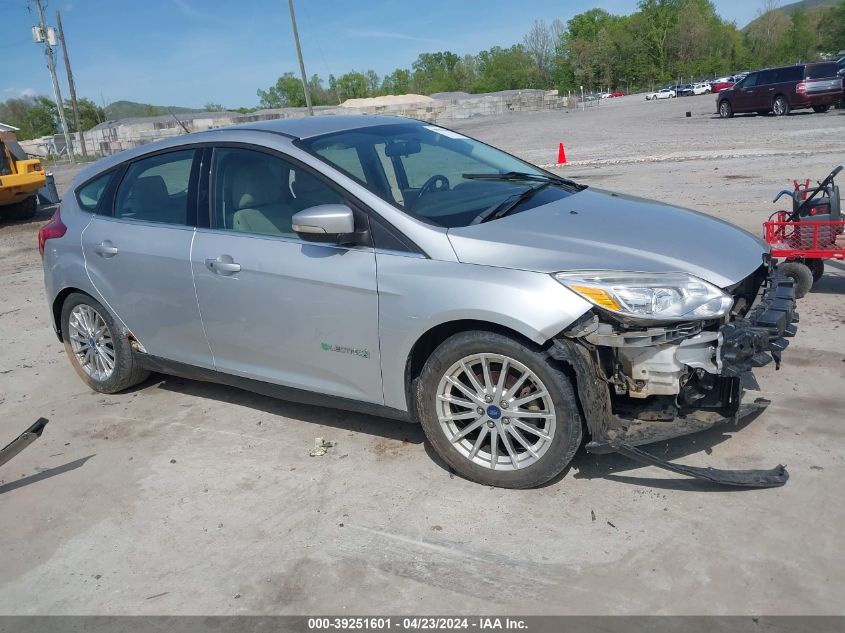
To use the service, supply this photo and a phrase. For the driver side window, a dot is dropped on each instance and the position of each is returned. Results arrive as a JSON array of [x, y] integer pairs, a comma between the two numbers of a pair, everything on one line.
[[750, 81], [259, 193]]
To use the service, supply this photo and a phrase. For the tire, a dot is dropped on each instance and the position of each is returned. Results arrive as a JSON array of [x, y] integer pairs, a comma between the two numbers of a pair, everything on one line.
[[780, 106], [821, 109], [816, 267], [726, 111], [472, 454], [23, 210], [801, 276], [79, 314]]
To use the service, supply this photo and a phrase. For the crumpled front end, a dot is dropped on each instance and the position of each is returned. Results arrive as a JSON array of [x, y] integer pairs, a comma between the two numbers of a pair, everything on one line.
[[643, 384]]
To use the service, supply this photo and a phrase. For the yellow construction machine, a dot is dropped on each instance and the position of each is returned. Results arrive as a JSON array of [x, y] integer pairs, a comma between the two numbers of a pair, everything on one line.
[[20, 180]]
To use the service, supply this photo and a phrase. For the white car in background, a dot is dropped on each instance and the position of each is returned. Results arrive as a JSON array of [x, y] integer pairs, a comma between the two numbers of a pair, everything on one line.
[[663, 93], [701, 88]]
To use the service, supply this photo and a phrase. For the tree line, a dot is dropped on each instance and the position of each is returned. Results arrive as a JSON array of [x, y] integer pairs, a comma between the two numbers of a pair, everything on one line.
[[661, 42], [39, 116]]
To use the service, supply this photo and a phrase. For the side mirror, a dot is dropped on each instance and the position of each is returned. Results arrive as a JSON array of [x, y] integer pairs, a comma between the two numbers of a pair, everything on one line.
[[332, 223]]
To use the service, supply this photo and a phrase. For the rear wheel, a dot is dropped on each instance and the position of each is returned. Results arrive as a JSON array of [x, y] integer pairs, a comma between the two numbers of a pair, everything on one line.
[[820, 109], [497, 411], [725, 109], [801, 276], [780, 106], [99, 354]]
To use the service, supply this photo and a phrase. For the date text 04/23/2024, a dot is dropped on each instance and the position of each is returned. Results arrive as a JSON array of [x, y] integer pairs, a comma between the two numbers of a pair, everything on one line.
[[416, 623]]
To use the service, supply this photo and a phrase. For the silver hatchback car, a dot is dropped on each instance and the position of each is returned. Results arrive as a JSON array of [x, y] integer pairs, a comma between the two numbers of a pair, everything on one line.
[[387, 265]]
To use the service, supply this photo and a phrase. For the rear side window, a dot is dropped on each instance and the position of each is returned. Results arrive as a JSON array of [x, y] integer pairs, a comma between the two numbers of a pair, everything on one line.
[[155, 189], [767, 77], [88, 195], [821, 71], [793, 73]]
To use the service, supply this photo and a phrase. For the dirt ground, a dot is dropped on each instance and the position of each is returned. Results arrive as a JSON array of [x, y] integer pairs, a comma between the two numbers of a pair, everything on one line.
[[186, 498]]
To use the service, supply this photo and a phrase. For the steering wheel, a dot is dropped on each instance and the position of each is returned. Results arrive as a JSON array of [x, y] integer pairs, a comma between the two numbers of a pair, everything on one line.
[[437, 182]]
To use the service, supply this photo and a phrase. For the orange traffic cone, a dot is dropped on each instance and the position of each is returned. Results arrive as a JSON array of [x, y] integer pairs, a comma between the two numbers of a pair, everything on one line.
[[561, 155]]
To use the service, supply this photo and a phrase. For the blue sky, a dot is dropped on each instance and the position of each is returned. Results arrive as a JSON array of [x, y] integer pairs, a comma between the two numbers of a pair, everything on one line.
[[190, 52]]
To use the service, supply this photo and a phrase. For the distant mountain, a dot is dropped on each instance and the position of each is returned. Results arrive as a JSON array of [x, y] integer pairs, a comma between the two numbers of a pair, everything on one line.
[[129, 109], [807, 5]]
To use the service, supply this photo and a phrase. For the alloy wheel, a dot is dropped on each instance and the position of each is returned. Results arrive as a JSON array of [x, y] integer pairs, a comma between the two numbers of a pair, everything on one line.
[[91, 342], [780, 106], [496, 412]]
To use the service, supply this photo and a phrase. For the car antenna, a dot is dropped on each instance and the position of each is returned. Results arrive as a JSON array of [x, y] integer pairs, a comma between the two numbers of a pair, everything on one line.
[[177, 120]]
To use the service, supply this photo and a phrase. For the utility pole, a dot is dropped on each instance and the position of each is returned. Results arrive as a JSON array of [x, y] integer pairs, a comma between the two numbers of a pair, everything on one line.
[[301, 63], [71, 86], [47, 35]]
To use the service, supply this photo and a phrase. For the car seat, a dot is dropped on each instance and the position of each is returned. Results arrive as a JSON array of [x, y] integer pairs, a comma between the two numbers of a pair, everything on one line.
[[149, 200], [257, 202]]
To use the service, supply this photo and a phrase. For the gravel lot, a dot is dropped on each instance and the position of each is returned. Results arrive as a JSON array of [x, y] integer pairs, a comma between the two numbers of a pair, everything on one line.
[[186, 498]]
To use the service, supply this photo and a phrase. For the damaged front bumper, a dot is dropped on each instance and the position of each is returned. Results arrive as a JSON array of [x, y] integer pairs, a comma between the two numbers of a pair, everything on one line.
[[639, 386]]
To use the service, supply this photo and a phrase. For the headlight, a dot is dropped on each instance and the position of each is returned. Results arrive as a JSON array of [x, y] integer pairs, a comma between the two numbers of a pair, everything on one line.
[[653, 296]]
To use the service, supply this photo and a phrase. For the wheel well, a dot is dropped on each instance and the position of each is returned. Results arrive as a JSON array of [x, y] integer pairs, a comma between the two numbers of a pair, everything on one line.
[[58, 302], [429, 341]]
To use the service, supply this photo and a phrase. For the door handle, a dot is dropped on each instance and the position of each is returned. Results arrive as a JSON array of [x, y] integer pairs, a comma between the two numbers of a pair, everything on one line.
[[106, 249], [223, 265]]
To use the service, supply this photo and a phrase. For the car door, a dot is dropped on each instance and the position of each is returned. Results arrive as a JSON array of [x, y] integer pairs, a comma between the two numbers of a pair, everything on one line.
[[767, 88], [745, 93], [276, 308], [137, 251]]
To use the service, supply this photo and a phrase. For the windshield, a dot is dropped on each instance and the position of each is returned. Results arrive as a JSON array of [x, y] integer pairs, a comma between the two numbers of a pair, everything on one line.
[[436, 174]]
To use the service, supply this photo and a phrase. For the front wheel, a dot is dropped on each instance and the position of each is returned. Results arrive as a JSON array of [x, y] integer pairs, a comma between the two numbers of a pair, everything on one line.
[[497, 411], [821, 109], [725, 110], [99, 354]]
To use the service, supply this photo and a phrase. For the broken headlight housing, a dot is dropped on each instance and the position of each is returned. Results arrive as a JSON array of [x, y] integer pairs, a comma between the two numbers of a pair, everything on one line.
[[649, 296]]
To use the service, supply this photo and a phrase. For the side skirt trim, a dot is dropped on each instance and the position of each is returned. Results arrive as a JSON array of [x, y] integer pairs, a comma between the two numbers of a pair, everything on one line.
[[281, 392]]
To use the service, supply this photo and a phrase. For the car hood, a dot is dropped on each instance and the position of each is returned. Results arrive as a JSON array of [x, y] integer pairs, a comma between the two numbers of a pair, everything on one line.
[[600, 230]]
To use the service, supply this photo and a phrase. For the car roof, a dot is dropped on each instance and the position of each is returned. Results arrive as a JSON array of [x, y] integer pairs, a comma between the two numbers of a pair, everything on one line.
[[307, 127], [299, 128]]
